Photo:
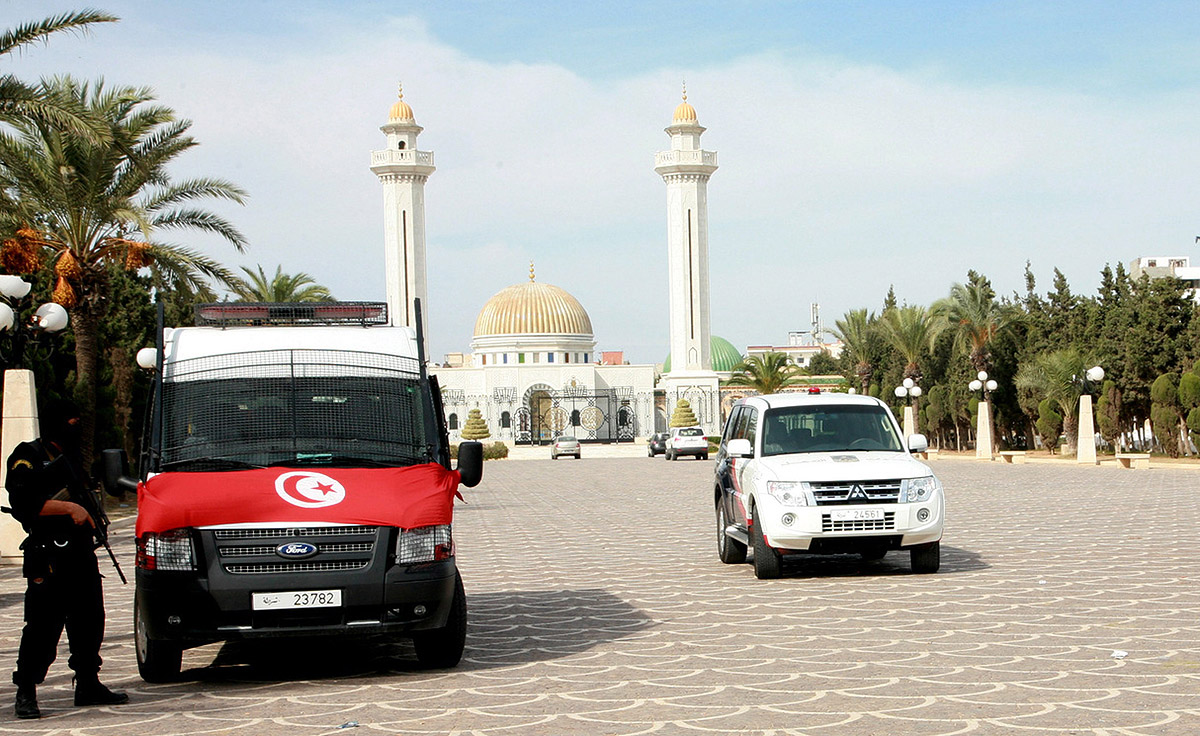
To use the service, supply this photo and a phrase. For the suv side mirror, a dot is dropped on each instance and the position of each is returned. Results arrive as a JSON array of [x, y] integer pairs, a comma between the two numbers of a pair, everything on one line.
[[917, 443], [116, 473], [740, 448], [470, 463]]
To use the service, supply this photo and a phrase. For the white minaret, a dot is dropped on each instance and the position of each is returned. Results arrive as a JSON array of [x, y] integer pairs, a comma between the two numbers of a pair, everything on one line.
[[403, 170], [686, 170]]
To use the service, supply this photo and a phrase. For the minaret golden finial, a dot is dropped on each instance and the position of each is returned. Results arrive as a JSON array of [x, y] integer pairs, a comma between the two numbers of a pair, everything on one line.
[[531, 269], [685, 90], [400, 90]]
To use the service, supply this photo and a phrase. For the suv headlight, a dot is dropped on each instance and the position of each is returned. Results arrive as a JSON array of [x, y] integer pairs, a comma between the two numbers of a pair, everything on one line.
[[915, 490], [788, 493]]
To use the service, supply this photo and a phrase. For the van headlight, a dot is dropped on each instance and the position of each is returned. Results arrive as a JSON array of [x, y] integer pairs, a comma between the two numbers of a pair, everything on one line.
[[915, 490], [788, 493]]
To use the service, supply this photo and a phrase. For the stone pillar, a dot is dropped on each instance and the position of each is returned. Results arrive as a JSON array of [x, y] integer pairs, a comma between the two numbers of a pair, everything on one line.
[[983, 432], [1086, 454], [910, 422], [19, 424]]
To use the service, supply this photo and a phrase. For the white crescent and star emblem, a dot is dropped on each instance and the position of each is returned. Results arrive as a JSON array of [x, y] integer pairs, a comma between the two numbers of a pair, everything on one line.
[[309, 490]]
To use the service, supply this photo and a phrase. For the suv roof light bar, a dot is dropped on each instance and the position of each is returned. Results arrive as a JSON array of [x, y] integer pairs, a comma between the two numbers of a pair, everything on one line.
[[229, 314]]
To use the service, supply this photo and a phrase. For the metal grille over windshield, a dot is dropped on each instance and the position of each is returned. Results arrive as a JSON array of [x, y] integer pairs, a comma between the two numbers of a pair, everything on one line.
[[292, 407]]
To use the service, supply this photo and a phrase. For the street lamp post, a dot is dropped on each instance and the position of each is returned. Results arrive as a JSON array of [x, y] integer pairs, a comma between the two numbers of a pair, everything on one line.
[[909, 391], [1086, 434], [19, 422], [983, 422]]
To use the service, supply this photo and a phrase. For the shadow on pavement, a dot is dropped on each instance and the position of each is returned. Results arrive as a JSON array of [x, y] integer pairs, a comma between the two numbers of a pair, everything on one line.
[[954, 560], [504, 628]]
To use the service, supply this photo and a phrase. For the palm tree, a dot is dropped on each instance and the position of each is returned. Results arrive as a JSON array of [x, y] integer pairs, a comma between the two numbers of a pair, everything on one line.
[[282, 287], [972, 313], [77, 206], [1058, 375], [857, 331], [911, 331], [21, 102], [768, 373]]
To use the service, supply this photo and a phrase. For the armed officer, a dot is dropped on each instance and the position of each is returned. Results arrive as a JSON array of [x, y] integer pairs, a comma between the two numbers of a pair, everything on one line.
[[62, 576]]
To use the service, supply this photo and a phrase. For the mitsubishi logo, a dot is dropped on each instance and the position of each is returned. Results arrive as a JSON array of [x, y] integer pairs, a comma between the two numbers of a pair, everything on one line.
[[857, 493]]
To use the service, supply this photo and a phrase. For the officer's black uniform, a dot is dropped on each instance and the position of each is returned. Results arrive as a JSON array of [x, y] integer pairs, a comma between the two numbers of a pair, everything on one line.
[[63, 580]]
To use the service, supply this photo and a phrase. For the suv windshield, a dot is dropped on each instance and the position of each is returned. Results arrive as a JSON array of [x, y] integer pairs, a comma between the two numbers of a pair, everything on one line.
[[828, 428], [293, 407]]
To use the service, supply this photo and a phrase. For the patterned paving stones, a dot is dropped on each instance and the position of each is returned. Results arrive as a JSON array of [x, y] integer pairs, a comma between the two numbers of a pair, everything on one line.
[[598, 606]]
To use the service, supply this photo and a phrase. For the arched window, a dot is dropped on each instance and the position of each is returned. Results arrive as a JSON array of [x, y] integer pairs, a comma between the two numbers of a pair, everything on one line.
[[505, 420], [401, 145], [453, 421]]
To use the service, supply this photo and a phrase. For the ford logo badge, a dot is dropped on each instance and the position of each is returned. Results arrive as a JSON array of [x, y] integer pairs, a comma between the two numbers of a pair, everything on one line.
[[296, 550]]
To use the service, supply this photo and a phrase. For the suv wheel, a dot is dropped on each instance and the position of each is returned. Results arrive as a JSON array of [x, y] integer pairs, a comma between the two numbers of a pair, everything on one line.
[[768, 563], [730, 551], [927, 558], [442, 648]]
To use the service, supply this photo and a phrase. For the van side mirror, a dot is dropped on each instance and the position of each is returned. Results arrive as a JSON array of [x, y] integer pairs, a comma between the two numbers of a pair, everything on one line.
[[917, 443], [116, 473], [470, 463], [740, 448]]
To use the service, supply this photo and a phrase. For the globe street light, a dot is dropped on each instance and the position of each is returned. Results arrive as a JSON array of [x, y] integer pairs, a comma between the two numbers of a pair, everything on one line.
[[1085, 448], [909, 390], [983, 422], [48, 318]]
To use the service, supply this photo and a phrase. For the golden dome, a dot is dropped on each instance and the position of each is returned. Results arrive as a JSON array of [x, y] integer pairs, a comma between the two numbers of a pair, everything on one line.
[[533, 309], [685, 113], [401, 112]]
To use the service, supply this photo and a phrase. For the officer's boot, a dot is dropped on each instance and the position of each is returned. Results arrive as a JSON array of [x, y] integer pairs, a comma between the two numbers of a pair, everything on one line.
[[26, 706], [90, 691]]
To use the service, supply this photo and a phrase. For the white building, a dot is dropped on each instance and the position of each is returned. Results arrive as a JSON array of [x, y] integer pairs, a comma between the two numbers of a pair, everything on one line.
[[1160, 266], [801, 347], [532, 371], [534, 374]]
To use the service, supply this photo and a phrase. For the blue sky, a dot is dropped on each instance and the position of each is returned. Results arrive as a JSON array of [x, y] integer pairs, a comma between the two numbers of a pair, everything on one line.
[[862, 145]]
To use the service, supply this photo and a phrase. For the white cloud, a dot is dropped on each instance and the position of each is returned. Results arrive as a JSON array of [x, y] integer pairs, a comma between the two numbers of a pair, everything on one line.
[[836, 179]]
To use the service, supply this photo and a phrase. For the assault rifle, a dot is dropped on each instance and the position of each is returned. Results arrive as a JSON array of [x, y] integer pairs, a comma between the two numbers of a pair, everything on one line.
[[61, 474]]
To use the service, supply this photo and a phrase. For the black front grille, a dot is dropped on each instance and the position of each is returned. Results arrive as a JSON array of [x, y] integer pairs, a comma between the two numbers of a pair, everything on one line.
[[253, 551], [844, 493]]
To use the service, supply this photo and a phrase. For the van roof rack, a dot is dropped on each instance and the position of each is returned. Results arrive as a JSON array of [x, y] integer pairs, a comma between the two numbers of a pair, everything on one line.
[[232, 314]]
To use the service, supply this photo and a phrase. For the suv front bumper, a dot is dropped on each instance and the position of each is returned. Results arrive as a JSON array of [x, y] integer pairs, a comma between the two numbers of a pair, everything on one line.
[[795, 528]]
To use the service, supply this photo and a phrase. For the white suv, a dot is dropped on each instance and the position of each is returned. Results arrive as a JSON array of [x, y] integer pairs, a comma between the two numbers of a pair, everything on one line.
[[687, 441], [823, 473]]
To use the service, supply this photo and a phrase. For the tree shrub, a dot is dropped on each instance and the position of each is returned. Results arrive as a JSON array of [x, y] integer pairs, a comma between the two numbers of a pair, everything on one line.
[[683, 416], [1049, 424], [475, 428]]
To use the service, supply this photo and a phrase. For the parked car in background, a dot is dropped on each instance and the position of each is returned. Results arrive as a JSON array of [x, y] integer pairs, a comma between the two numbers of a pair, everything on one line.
[[657, 444], [687, 441], [826, 473], [564, 446]]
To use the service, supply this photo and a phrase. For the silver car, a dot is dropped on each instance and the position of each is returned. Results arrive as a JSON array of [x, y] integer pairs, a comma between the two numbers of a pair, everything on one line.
[[564, 446]]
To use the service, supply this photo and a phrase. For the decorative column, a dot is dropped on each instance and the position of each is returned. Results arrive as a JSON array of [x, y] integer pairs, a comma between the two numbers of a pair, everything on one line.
[[20, 424], [403, 171], [686, 169], [1087, 433]]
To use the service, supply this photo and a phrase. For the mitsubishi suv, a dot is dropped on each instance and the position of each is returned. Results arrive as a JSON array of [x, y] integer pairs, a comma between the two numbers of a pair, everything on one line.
[[823, 473]]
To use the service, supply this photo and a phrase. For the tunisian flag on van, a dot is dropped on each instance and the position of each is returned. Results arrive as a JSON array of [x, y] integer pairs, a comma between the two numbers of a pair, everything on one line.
[[416, 496]]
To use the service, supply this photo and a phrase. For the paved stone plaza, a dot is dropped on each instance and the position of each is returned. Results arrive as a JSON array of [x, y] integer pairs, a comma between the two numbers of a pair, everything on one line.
[[598, 606]]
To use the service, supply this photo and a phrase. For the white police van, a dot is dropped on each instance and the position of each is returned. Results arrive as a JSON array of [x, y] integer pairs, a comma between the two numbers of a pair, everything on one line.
[[296, 482], [823, 473]]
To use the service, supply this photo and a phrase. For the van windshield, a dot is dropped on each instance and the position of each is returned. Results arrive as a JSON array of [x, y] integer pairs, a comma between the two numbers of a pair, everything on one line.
[[292, 407], [829, 428]]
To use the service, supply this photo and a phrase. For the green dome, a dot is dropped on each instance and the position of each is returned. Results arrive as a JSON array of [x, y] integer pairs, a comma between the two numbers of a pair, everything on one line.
[[724, 355]]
